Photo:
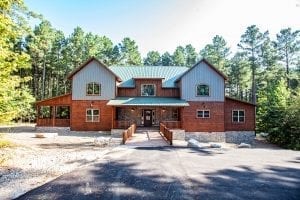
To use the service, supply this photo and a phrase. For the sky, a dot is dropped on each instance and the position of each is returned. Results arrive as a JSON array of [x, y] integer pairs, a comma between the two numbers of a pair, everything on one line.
[[162, 25]]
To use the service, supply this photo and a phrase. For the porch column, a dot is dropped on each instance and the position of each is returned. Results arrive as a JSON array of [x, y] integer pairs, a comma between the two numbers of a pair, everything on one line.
[[112, 117], [38, 114], [53, 115]]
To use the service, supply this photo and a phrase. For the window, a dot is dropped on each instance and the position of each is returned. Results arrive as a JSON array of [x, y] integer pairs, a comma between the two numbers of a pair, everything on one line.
[[202, 90], [175, 114], [203, 114], [147, 90], [93, 88], [92, 115], [62, 112], [45, 112], [238, 116]]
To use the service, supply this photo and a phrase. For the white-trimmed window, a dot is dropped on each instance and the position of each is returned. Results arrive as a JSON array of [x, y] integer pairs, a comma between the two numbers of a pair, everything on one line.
[[93, 89], [203, 114], [92, 115], [238, 116], [148, 90], [202, 90]]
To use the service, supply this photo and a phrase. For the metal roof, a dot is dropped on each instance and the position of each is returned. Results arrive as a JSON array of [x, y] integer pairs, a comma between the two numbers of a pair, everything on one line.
[[148, 101], [168, 73]]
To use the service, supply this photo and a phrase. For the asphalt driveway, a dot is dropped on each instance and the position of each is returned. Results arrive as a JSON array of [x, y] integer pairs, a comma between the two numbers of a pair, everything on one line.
[[181, 173]]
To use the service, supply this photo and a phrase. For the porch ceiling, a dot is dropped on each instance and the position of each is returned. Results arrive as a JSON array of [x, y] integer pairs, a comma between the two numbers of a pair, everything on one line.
[[148, 101]]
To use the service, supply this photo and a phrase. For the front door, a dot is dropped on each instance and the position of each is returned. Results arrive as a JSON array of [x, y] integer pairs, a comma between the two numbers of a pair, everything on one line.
[[147, 117]]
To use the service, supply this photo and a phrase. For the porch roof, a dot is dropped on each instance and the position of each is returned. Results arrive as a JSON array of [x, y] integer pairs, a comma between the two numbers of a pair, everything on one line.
[[148, 101]]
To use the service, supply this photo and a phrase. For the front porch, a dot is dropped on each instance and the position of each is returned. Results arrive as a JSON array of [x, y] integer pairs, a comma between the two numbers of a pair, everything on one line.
[[147, 111], [146, 117]]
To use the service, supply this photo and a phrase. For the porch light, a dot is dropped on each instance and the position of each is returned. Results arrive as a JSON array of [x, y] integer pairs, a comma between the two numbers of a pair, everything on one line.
[[132, 109], [164, 110]]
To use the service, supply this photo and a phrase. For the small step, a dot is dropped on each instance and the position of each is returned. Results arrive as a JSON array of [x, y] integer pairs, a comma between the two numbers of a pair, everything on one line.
[[146, 131]]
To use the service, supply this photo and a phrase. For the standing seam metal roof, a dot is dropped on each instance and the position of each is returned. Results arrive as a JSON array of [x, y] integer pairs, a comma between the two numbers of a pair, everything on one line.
[[168, 73]]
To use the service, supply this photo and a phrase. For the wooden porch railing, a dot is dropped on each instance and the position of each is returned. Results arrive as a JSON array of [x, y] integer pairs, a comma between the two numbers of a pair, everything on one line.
[[166, 132], [49, 122], [121, 124], [172, 124], [129, 132], [62, 122]]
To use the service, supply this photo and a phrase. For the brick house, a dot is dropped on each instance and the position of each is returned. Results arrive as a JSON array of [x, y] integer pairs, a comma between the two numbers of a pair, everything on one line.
[[108, 98]]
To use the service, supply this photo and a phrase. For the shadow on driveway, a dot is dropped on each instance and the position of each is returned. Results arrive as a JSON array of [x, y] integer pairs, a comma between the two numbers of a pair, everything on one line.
[[132, 178]]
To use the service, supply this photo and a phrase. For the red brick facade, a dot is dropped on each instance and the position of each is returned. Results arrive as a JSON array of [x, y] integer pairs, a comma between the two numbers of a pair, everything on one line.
[[219, 120], [78, 116], [248, 125], [215, 123]]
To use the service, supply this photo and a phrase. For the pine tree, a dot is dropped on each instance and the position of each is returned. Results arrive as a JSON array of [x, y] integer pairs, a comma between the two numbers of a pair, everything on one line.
[[288, 45], [251, 43], [152, 59], [217, 53]]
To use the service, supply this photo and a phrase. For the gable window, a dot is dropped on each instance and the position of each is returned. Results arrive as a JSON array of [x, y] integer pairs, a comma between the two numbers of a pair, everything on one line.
[[202, 90], [93, 88], [148, 90], [92, 115], [203, 114], [238, 116]]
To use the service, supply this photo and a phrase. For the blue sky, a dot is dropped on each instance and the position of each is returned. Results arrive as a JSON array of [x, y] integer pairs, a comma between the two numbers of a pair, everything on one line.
[[162, 25]]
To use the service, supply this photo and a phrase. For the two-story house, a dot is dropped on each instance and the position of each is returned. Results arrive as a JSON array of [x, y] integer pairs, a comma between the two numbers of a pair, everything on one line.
[[193, 99]]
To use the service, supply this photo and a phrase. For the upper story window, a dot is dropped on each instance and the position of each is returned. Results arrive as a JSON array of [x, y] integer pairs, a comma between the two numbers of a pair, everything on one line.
[[238, 116], [93, 88], [202, 90], [92, 115], [148, 90], [203, 114]]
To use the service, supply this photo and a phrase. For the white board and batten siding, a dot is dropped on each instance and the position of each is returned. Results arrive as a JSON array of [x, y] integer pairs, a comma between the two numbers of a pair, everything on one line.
[[93, 72], [202, 74]]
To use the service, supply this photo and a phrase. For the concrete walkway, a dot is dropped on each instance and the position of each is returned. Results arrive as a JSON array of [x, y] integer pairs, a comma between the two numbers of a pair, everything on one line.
[[147, 138]]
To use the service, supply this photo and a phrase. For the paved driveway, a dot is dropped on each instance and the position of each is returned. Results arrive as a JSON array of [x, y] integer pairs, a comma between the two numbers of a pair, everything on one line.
[[181, 173]]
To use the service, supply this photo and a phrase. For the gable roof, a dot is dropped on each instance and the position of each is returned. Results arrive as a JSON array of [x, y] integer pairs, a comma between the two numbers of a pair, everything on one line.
[[208, 64], [238, 100], [64, 99], [76, 70], [168, 74]]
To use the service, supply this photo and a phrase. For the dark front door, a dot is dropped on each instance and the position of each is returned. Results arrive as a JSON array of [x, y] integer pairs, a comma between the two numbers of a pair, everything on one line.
[[147, 117]]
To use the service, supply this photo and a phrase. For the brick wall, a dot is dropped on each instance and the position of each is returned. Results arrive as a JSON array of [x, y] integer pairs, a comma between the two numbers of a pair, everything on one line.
[[191, 123], [78, 116], [248, 125]]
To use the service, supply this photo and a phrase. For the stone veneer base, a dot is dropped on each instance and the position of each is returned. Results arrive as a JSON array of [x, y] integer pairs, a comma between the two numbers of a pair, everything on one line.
[[236, 137], [51, 129]]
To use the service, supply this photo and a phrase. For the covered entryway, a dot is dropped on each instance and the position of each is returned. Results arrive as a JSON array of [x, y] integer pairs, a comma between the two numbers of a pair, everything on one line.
[[146, 111]]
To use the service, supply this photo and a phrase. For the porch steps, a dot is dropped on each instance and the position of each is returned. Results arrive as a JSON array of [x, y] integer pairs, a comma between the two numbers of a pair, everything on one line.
[[145, 129], [146, 137]]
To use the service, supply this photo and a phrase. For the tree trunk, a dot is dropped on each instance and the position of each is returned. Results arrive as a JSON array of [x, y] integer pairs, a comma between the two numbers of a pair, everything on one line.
[[43, 80], [253, 86], [253, 78], [287, 69]]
